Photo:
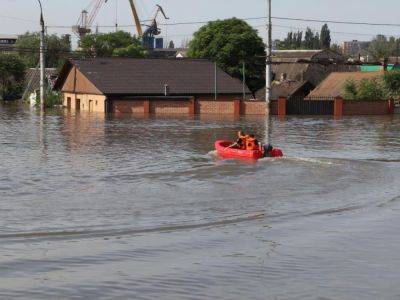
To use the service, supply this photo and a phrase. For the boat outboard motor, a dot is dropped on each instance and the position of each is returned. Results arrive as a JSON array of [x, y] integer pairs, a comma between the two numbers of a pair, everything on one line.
[[267, 150]]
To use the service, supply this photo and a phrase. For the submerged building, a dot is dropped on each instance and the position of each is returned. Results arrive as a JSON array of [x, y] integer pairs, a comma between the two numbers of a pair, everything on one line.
[[176, 86]]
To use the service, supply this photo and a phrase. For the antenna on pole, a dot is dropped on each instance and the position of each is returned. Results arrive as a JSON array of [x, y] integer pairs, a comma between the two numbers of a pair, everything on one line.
[[116, 15], [268, 75]]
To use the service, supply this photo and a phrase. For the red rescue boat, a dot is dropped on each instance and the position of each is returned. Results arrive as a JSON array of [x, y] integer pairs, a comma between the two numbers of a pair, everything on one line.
[[225, 149]]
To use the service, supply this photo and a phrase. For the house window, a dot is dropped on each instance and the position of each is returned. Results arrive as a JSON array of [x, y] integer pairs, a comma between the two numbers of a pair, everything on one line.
[[69, 102]]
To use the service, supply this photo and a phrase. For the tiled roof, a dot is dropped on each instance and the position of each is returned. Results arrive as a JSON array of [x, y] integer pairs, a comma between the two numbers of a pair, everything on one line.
[[334, 84], [281, 89], [129, 76]]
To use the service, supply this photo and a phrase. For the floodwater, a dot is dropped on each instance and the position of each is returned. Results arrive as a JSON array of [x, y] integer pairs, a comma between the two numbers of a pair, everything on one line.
[[95, 207]]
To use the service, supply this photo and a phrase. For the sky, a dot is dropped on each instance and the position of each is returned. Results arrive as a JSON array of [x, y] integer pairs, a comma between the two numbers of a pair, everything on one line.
[[19, 16]]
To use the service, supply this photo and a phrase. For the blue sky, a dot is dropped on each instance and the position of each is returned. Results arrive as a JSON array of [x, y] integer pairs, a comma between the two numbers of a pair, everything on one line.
[[66, 12]]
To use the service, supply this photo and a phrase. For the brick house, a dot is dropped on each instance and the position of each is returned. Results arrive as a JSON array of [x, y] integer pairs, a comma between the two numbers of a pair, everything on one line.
[[170, 86]]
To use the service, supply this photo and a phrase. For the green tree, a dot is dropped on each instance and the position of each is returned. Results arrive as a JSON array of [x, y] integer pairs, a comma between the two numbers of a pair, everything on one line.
[[316, 42], [57, 49], [12, 75], [288, 42], [299, 40], [336, 48], [381, 49], [309, 39], [350, 90], [325, 37], [104, 44], [135, 50], [365, 89], [371, 89], [230, 43]]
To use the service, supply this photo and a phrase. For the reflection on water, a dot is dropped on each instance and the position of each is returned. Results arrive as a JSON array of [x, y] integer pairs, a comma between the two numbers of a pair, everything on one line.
[[95, 206]]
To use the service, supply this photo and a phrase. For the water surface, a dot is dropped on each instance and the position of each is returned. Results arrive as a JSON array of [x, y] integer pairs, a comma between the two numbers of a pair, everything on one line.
[[118, 207]]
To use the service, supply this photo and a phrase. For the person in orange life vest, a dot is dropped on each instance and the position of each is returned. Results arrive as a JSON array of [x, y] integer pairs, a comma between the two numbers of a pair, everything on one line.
[[252, 143], [241, 141]]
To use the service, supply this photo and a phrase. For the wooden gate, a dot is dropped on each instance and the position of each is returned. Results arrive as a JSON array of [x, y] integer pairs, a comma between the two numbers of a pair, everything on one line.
[[310, 106]]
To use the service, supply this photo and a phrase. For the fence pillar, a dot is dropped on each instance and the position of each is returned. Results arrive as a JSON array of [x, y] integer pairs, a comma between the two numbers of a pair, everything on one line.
[[236, 108], [192, 107], [338, 107], [146, 107], [391, 107], [282, 106]]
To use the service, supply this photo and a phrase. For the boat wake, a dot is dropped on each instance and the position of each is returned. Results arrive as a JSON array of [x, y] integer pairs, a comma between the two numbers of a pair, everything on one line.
[[127, 232]]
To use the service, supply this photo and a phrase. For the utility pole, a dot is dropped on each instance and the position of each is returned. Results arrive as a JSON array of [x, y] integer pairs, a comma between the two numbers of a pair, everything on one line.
[[42, 59], [244, 80], [268, 75], [215, 81]]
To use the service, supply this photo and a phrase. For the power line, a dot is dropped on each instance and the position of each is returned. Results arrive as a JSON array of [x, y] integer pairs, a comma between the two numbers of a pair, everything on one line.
[[18, 19], [264, 18], [337, 22], [245, 19]]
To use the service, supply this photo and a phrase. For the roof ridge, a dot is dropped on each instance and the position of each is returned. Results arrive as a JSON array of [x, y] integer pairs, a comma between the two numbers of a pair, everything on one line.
[[147, 58]]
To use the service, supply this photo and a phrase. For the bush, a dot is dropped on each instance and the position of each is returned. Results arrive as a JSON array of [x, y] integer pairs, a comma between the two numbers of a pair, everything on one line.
[[53, 99], [391, 81], [366, 89]]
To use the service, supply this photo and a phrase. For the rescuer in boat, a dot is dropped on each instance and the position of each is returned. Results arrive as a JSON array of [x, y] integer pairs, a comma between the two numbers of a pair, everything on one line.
[[252, 143], [241, 141], [249, 142], [246, 142]]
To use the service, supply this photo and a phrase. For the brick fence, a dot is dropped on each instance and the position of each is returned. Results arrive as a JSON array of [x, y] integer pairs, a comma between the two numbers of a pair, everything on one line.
[[343, 107], [189, 106]]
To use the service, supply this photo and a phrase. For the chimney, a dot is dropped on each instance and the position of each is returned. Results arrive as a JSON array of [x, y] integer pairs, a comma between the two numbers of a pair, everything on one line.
[[166, 89]]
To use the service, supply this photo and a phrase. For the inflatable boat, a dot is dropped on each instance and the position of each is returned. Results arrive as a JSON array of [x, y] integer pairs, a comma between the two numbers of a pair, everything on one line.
[[226, 149]]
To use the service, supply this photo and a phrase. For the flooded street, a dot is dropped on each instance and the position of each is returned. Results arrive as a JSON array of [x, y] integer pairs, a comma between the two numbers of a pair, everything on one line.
[[95, 207]]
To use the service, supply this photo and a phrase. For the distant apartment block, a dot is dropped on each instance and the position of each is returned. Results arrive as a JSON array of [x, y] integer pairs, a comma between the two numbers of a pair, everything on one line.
[[8, 40], [354, 48]]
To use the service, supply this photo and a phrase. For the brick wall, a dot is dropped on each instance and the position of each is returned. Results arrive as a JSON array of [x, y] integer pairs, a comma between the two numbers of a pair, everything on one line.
[[133, 107], [169, 107], [203, 105], [253, 108], [351, 107], [214, 107], [273, 107]]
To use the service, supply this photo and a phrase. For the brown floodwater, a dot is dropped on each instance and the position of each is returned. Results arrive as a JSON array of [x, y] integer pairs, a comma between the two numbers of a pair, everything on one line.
[[122, 207]]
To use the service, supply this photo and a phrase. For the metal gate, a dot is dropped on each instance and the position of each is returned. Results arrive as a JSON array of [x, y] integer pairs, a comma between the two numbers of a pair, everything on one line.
[[310, 106]]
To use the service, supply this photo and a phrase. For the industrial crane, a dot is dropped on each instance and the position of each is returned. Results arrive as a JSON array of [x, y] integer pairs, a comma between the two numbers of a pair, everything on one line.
[[87, 17], [152, 29], [89, 14]]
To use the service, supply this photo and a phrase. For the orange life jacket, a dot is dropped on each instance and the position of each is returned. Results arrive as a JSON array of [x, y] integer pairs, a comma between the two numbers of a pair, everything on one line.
[[251, 144], [242, 143]]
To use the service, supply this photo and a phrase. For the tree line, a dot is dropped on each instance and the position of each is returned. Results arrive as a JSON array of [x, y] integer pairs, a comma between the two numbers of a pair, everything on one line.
[[306, 40]]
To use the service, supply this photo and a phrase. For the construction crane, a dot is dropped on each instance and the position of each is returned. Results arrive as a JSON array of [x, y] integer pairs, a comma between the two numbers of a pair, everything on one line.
[[87, 17], [152, 29]]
